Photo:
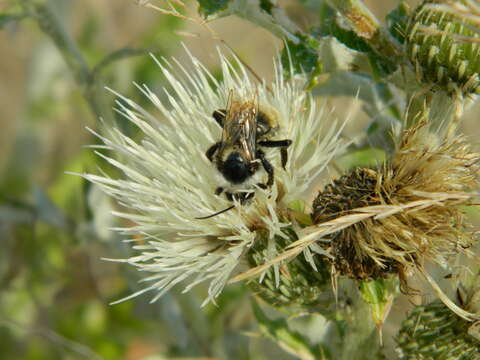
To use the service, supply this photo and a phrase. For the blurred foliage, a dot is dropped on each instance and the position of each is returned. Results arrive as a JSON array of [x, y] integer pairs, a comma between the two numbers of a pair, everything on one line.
[[209, 7], [291, 341], [54, 226]]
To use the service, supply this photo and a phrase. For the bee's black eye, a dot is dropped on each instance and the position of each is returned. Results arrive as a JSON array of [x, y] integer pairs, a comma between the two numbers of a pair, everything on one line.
[[235, 168]]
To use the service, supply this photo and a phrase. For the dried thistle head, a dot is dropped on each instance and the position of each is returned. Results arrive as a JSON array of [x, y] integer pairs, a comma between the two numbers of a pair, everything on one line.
[[411, 205], [443, 44], [356, 189]]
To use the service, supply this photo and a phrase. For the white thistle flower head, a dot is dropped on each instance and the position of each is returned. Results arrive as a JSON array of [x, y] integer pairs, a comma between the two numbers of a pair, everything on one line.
[[168, 181]]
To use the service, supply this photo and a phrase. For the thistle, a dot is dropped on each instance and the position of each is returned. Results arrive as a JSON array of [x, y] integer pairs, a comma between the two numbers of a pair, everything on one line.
[[298, 282], [168, 183], [375, 222], [443, 44], [427, 177], [433, 332]]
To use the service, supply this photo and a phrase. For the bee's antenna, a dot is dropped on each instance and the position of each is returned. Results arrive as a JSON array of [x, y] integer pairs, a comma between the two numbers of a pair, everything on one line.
[[215, 214], [239, 58]]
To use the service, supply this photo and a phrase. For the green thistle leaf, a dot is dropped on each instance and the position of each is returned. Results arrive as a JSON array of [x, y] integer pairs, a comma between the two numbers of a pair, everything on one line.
[[6, 19], [397, 21], [379, 295], [210, 7], [303, 57]]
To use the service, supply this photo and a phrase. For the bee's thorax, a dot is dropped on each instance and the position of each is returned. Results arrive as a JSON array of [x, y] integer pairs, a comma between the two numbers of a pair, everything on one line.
[[236, 169]]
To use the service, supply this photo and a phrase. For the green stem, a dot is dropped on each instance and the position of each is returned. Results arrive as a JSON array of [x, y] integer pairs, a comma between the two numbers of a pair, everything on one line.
[[42, 12], [360, 340], [50, 24]]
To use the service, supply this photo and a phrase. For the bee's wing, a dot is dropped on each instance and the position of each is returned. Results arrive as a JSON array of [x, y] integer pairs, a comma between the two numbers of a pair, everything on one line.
[[240, 129], [250, 128]]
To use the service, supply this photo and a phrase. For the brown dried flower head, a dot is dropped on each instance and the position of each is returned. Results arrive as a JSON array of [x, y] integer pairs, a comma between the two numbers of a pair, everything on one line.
[[414, 201]]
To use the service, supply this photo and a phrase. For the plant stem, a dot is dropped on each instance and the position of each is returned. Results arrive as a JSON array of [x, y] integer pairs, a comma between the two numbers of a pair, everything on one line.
[[360, 340], [41, 11], [51, 26]]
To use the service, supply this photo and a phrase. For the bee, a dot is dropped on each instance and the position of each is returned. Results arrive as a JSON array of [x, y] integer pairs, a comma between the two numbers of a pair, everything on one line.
[[238, 155]]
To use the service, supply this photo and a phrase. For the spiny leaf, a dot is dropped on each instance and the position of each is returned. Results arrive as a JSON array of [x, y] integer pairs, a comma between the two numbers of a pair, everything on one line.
[[330, 27], [302, 57], [397, 21], [267, 6], [210, 7]]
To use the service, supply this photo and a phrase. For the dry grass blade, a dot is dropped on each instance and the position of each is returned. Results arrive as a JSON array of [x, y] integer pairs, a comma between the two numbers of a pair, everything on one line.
[[457, 37], [261, 268], [449, 303], [316, 232]]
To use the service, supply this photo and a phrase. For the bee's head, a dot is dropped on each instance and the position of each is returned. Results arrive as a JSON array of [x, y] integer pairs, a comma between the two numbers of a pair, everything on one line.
[[236, 169]]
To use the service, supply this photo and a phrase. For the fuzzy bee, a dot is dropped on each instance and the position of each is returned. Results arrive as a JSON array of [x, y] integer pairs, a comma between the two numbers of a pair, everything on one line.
[[238, 155]]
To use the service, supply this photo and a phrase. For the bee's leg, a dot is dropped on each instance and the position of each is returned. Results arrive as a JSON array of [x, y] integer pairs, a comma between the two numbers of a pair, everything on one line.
[[267, 166], [219, 116], [248, 196], [284, 156], [212, 149], [229, 196], [241, 197], [283, 144], [276, 143]]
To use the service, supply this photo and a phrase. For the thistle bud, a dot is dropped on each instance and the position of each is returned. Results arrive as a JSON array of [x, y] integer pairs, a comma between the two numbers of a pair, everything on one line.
[[443, 44], [297, 283], [434, 332]]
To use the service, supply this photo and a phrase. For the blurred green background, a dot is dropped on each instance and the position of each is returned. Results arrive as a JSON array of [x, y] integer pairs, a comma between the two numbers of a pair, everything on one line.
[[54, 287]]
